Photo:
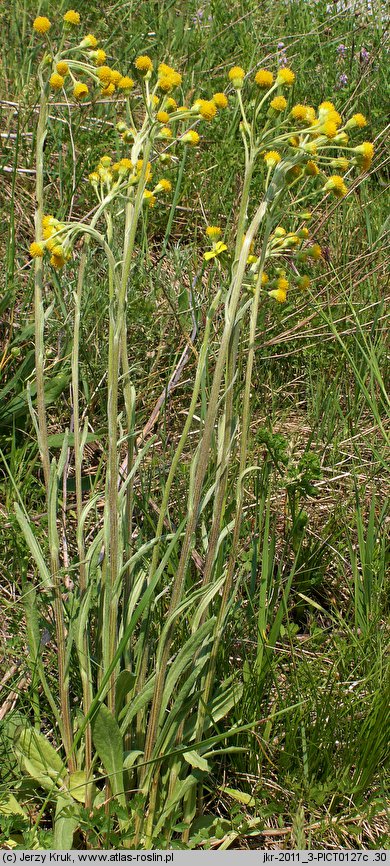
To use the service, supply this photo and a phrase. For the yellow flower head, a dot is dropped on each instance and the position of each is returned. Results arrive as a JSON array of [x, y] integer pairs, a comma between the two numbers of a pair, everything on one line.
[[213, 232], [220, 100], [304, 232], [311, 168], [105, 161], [56, 81], [144, 64], [115, 77], [365, 153], [163, 117], [236, 76], [48, 220], [326, 106], [282, 284], [104, 75], [299, 112], [58, 258], [165, 133], [206, 108], [149, 197], [218, 248], [341, 138], [148, 173], [72, 17], [285, 76], [89, 41], [315, 252], [41, 25], [278, 103], [341, 162], [80, 90], [336, 184], [357, 120], [170, 104], [329, 129], [36, 250], [163, 185], [191, 137], [99, 56], [108, 90], [310, 147], [126, 164], [272, 158], [167, 82], [280, 295], [264, 278], [264, 79], [125, 83], [93, 178], [168, 78], [62, 68], [303, 282]]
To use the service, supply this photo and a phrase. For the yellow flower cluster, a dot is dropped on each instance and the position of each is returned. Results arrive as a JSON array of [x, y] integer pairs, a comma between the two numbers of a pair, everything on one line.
[[168, 78], [52, 231]]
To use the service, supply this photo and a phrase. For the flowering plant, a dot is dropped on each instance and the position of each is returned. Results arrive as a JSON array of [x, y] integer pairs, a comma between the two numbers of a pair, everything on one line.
[[155, 690]]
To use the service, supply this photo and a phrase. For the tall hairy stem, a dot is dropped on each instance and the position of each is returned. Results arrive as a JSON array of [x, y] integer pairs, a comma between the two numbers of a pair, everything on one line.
[[116, 331], [38, 289], [244, 439], [85, 666], [201, 469], [49, 475]]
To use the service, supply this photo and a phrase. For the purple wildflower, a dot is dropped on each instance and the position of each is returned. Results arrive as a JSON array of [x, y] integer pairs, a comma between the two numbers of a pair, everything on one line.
[[342, 50], [282, 56], [343, 80]]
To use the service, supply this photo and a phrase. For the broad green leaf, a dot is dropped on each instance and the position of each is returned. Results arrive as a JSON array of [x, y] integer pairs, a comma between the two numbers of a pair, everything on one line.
[[131, 758], [75, 784], [38, 757], [65, 823], [55, 440], [240, 796], [10, 806], [196, 760], [108, 743], [124, 684]]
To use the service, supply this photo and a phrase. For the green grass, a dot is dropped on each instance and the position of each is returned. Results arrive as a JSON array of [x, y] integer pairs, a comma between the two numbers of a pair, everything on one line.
[[300, 756]]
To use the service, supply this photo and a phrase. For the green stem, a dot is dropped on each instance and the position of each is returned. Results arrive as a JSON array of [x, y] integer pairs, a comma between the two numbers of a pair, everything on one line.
[[38, 290], [203, 459], [85, 667], [117, 314]]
